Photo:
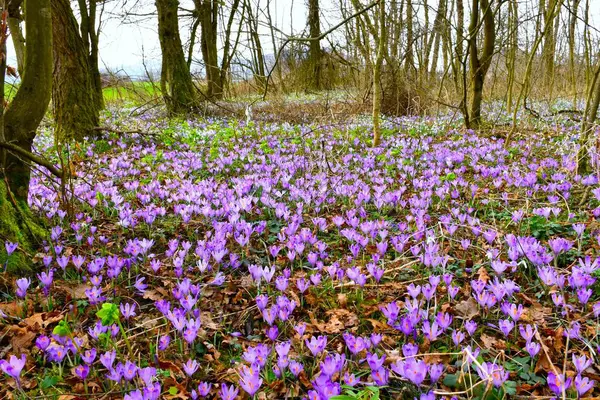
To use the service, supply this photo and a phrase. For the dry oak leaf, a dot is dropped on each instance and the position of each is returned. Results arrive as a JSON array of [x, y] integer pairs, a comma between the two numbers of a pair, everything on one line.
[[21, 339], [339, 320], [491, 342], [42, 320], [467, 309]]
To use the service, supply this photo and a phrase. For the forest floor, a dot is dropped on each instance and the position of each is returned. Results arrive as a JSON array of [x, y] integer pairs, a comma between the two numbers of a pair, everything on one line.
[[206, 257]]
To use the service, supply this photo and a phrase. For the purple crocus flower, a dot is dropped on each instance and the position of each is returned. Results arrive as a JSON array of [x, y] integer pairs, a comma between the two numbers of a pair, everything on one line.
[[493, 373], [582, 385], [10, 247], [22, 286], [128, 310], [557, 383], [532, 348], [250, 379], [204, 388], [13, 367], [42, 342], [228, 392], [581, 363], [81, 371], [190, 367], [316, 344]]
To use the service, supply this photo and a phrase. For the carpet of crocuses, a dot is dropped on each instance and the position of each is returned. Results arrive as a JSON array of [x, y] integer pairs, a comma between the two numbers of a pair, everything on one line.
[[210, 259]]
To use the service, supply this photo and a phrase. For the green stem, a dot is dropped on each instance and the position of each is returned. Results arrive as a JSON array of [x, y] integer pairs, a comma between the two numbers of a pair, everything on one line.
[[125, 337]]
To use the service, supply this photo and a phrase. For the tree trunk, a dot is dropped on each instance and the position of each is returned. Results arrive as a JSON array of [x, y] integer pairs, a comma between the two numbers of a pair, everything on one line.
[[551, 12], [438, 27], [409, 65], [480, 66], [208, 14], [589, 118], [14, 25], [176, 81], [315, 54], [89, 35], [377, 90], [256, 46], [513, 43], [572, 71], [26, 111], [74, 104]]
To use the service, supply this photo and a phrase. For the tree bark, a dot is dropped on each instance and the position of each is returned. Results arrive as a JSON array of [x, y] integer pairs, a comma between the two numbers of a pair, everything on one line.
[[74, 105], [409, 65], [377, 89], [572, 26], [208, 11], [176, 82], [314, 49], [26, 111], [589, 118], [89, 34], [480, 66], [14, 25]]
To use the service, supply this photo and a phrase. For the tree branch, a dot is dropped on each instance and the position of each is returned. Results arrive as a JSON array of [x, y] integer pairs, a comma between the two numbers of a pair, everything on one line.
[[310, 39], [32, 157]]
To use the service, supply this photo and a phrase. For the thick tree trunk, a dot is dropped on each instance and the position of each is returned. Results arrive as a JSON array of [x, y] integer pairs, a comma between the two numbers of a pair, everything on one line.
[[315, 54], [74, 104], [176, 81], [26, 111], [551, 22]]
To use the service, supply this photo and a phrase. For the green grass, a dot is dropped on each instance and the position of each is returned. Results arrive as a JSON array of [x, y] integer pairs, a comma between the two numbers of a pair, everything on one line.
[[131, 91]]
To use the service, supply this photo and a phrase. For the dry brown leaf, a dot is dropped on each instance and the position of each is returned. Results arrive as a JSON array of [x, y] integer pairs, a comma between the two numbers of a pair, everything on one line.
[[76, 292], [491, 342], [21, 339], [156, 294], [483, 275], [339, 320], [207, 321], [41, 320], [342, 300], [378, 326], [544, 364], [467, 309]]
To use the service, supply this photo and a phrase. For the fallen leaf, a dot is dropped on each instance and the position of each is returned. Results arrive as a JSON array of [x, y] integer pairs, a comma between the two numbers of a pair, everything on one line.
[[544, 364], [467, 309], [483, 275], [490, 342], [42, 320], [21, 339], [342, 300], [339, 320], [75, 292]]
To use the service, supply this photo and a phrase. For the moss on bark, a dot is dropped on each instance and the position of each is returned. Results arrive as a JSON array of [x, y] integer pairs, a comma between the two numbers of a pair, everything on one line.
[[18, 225]]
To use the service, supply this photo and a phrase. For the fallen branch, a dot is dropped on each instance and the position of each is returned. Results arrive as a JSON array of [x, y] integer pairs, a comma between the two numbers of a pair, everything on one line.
[[118, 132]]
